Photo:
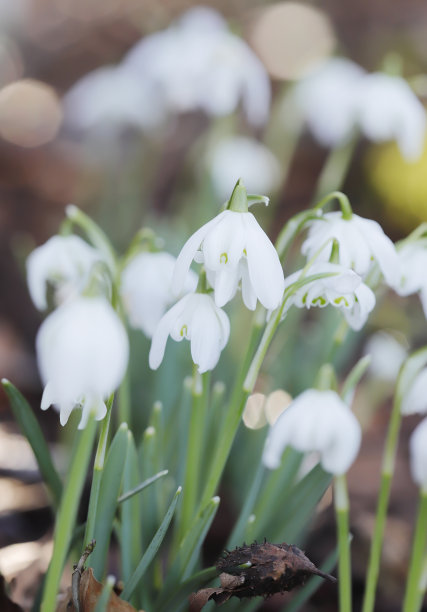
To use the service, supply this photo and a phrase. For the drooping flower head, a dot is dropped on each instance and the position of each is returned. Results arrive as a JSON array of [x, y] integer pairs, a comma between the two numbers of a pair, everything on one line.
[[62, 264], [197, 319], [412, 276], [418, 455], [233, 249], [316, 421], [387, 355], [198, 63], [82, 353], [342, 289], [415, 400], [145, 289], [361, 242]]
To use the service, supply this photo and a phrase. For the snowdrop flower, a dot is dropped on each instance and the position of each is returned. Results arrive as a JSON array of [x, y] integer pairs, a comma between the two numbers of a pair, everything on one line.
[[412, 271], [418, 455], [415, 400], [197, 63], [110, 97], [316, 421], [326, 99], [64, 263], [196, 318], [82, 353], [234, 248], [389, 110], [360, 241], [247, 158], [387, 355], [343, 289], [145, 289]]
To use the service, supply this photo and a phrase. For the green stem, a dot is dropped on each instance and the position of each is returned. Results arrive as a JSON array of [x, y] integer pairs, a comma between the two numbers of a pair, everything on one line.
[[344, 563], [200, 394], [419, 550], [67, 513], [343, 200], [98, 469], [387, 470], [335, 169]]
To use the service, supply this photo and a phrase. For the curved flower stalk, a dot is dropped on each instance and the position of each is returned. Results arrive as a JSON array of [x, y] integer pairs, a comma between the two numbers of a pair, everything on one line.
[[198, 63], [360, 243], [340, 97], [412, 276], [145, 289], [245, 157], [63, 263], [342, 289], [82, 353], [196, 318], [316, 421], [234, 249]]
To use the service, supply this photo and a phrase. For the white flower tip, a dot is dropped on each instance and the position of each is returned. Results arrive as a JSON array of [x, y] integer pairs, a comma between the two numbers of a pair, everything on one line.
[[150, 432], [5, 382], [216, 500], [123, 427], [71, 210], [179, 489]]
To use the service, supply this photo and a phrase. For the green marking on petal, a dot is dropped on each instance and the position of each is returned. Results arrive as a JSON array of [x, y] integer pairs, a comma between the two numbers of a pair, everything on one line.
[[184, 331], [223, 258]]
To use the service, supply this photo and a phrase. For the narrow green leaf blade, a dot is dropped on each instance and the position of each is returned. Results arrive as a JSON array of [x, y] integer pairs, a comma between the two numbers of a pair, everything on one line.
[[108, 495], [31, 429], [152, 549], [131, 538]]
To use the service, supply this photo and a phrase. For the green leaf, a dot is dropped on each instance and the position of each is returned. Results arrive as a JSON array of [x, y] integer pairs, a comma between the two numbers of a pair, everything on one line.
[[107, 502], [152, 549], [103, 599], [28, 423], [131, 538], [67, 513], [354, 377], [141, 486]]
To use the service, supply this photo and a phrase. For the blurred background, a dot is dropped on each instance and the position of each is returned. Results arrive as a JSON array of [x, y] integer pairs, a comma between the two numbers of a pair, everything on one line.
[[98, 109]]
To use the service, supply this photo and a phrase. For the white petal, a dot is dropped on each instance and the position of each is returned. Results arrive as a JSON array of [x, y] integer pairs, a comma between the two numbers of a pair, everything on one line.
[[382, 249], [265, 270], [226, 281], [223, 245], [163, 329], [188, 252], [415, 400], [418, 454]]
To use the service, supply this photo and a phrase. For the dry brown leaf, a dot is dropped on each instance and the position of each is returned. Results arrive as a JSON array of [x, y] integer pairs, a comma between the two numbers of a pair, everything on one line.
[[6, 605], [89, 593]]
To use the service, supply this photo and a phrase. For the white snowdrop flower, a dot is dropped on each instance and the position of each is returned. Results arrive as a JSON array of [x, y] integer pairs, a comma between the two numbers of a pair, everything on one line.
[[360, 241], [316, 421], [196, 318], [82, 353], [247, 158], [412, 272], [197, 63], [387, 355], [415, 401], [343, 289], [327, 100], [110, 97], [389, 110], [418, 455], [63, 263], [234, 248], [145, 289]]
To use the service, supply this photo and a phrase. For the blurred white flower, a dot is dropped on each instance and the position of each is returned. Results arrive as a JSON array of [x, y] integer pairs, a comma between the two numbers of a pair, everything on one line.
[[197, 63], [234, 248], [316, 421], [343, 289], [339, 97], [145, 289], [418, 455], [63, 263], [196, 318], [82, 353], [412, 272], [110, 97], [389, 110], [360, 241], [415, 401], [247, 158], [327, 100], [387, 355]]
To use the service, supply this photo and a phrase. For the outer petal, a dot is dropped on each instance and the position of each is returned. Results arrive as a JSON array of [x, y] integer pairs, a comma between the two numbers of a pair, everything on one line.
[[226, 281], [160, 336], [224, 244], [415, 400], [382, 248], [265, 270], [188, 252], [358, 315], [93, 404], [248, 293], [418, 455]]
